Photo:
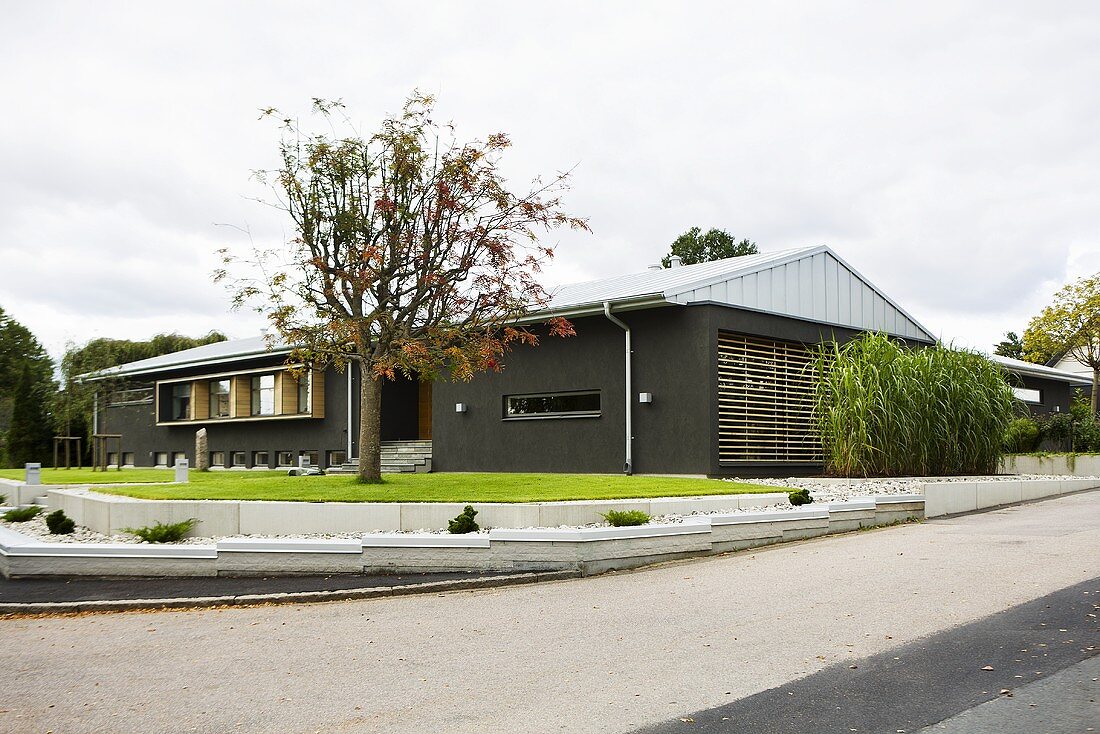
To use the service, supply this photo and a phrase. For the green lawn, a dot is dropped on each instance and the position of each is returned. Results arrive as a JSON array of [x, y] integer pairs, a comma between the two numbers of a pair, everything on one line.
[[441, 487]]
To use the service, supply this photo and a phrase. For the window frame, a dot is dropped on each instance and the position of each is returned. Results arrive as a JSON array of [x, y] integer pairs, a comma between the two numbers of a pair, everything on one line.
[[1020, 393], [305, 380], [256, 461], [179, 400], [257, 397], [215, 461], [216, 397], [552, 415]]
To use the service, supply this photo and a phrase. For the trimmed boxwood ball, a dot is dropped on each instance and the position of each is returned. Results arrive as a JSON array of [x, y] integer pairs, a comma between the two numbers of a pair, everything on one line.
[[464, 523], [800, 497], [59, 524]]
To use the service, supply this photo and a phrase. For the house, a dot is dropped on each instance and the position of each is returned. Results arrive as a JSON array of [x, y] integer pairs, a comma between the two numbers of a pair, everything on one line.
[[697, 369]]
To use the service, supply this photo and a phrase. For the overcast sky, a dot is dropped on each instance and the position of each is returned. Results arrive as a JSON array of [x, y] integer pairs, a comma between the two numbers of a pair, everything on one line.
[[948, 150]]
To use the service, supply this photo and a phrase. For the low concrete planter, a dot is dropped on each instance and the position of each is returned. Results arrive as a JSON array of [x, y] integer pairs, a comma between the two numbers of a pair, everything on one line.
[[582, 550], [1080, 465]]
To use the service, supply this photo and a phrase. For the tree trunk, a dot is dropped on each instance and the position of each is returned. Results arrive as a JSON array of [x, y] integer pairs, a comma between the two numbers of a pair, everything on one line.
[[370, 426], [1095, 389]]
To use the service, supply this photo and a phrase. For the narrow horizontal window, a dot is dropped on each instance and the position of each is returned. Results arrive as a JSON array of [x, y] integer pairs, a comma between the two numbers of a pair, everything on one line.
[[217, 458], [553, 405], [259, 458], [1028, 395]]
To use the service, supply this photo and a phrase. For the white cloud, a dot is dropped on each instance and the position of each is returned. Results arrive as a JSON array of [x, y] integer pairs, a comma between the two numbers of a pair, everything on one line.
[[947, 150]]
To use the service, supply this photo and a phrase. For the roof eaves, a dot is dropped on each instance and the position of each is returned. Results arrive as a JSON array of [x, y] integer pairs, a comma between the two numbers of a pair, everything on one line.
[[647, 300], [119, 372]]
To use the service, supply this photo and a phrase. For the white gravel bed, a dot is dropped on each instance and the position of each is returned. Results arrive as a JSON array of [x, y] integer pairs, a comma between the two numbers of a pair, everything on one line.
[[822, 492]]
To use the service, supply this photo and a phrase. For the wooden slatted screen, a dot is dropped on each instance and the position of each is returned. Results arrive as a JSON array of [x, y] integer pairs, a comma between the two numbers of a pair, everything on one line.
[[765, 401]]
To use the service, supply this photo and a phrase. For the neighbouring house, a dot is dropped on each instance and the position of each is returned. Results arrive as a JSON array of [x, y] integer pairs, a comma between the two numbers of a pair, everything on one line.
[[698, 369]]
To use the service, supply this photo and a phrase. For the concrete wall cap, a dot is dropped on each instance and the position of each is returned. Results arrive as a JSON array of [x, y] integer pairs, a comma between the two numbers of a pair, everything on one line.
[[10, 539], [748, 517], [425, 540], [114, 550], [264, 545], [581, 535], [889, 499], [857, 503]]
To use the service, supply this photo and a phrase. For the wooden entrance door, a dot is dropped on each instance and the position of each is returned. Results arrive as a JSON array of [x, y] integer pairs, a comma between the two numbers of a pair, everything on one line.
[[424, 411]]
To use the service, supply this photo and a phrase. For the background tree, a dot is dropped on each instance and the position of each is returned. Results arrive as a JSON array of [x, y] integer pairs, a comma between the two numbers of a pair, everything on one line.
[[30, 437], [74, 402], [1071, 326], [1011, 346], [18, 349], [412, 255], [717, 244]]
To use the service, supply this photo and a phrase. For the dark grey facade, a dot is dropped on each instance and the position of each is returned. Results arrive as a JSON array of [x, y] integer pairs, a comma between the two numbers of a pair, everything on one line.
[[675, 357], [326, 439]]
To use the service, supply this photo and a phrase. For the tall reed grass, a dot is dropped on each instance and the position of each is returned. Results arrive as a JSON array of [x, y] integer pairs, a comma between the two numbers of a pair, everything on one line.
[[884, 409]]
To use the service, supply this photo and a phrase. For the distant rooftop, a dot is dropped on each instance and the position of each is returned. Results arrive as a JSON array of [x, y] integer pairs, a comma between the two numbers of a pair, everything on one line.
[[1030, 369], [216, 353]]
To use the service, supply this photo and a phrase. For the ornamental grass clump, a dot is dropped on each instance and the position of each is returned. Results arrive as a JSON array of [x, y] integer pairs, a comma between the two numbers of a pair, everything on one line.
[[163, 532], [22, 514], [625, 518], [883, 409]]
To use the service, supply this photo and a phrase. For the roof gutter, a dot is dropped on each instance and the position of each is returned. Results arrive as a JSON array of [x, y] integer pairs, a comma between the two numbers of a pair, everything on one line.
[[628, 468], [115, 372]]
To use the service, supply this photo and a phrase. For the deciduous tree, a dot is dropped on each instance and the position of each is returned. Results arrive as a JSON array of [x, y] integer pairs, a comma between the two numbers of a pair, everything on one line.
[[1071, 326], [716, 244], [412, 255]]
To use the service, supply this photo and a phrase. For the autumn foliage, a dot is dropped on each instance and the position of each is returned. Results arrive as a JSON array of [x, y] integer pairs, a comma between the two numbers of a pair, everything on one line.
[[411, 254]]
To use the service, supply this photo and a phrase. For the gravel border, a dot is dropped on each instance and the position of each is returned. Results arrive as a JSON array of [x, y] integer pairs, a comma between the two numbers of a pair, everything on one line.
[[830, 490]]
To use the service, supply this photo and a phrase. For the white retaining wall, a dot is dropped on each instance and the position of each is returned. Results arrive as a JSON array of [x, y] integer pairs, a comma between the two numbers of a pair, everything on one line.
[[1072, 465], [110, 514], [950, 498], [587, 550]]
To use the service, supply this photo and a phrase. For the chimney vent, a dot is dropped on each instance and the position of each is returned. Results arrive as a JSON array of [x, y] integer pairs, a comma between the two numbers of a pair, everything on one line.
[[675, 261], [656, 266]]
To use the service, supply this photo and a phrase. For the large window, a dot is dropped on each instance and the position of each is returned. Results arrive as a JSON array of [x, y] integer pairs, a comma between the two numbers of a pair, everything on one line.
[[305, 393], [263, 395], [181, 401], [1028, 395], [553, 405], [219, 398]]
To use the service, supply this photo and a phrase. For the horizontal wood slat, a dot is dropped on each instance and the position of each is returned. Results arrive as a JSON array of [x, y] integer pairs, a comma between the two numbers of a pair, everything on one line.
[[765, 401]]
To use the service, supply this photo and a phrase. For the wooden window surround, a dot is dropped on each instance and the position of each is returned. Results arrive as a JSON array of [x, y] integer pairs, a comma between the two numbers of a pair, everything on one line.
[[240, 396]]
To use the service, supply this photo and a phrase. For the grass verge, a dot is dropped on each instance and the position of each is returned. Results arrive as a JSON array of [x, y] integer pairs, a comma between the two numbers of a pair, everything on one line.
[[440, 487]]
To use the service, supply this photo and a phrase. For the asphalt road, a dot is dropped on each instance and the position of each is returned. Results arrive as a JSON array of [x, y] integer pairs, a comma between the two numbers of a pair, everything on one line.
[[96, 589], [617, 652]]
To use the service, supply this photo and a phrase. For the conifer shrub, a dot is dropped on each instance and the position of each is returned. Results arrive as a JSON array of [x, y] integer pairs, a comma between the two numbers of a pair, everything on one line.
[[22, 514], [59, 524], [625, 518], [464, 523], [163, 532], [800, 497]]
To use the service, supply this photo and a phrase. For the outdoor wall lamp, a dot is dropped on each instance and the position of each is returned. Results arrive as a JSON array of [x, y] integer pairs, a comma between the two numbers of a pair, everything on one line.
[[460, 407], [645, 397]]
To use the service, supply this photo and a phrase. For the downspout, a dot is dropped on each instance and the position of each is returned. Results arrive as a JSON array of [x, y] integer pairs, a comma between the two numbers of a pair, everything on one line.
[[628, 467], [95, 412], [348, 456]]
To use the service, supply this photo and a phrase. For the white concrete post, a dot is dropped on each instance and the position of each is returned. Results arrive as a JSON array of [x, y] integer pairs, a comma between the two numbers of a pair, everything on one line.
[[181, 471], [34, 474]]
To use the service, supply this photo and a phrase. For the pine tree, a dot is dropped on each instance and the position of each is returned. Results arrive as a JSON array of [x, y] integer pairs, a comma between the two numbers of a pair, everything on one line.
[[29, 435]]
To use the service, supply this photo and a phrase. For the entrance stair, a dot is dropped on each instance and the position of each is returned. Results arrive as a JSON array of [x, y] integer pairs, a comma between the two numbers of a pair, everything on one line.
[[398, 457]]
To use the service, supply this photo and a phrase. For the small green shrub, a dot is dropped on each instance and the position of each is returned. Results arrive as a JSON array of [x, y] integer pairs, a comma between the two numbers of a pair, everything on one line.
[[464, 523], [3, 498], [1022, 436], [163, 532], [59, 524], [22, 514], [625, 518], [800, 497]]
